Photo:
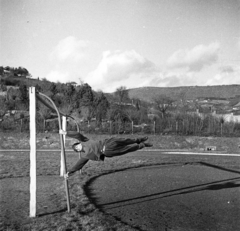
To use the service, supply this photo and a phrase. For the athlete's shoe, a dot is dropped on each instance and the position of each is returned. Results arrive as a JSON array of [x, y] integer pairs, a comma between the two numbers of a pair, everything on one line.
[[143, 139], [147, 144]]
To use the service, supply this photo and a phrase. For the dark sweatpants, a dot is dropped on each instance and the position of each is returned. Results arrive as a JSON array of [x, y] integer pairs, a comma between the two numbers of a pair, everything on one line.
[[120, 146]]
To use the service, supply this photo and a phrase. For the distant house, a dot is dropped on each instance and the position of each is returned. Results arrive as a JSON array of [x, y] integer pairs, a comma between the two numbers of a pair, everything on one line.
[[6, 71], [3, 93], [13, 87], [219, 101], [236, 106], [229, 117], [72, 83], [125, 104]]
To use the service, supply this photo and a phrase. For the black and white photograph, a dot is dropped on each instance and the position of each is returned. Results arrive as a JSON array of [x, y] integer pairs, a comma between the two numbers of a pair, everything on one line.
[[120, 115]]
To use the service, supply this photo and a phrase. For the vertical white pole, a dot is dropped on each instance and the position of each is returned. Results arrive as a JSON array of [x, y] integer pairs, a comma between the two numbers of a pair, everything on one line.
[[33, 172], [64, 128]]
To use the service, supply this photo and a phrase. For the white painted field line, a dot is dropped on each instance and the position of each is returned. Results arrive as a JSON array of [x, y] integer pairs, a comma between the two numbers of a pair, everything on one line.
[[197, 153], [204, 154], [146, 150], [27, 150], [38, 150]]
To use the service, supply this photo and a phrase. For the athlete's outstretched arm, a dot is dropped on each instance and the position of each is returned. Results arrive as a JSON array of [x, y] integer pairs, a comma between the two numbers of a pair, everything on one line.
[[79, 165]]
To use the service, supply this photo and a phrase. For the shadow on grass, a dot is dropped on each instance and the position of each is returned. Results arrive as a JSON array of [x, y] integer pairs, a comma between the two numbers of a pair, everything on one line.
[[93, 198], [219, 167], [51, 213], [215, 185]]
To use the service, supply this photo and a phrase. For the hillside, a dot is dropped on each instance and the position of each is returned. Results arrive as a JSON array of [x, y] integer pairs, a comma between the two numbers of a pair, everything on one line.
[[190, 92], [10, 76]]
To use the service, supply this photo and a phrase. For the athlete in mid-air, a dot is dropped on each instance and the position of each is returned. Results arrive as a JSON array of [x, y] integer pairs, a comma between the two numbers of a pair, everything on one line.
[[98, 150]]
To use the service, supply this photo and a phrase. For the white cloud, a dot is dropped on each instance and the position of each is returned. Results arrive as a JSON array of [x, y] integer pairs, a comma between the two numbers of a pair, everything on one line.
[[226, 77], [195, 59], [238, 45], [58, 76], [174, 79], [69, 48], [121, 68], [227, 69], [68, 58], [130, 69]]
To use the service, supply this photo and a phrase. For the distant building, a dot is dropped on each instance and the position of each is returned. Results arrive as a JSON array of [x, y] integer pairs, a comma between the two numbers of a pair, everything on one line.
[[228, 117], [72, 83]]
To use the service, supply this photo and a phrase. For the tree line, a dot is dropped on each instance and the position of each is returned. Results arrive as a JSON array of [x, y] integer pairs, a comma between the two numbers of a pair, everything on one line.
[[98, 112]]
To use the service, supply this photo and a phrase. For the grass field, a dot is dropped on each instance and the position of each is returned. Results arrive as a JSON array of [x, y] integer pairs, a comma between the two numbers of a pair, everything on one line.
[[51, 199]]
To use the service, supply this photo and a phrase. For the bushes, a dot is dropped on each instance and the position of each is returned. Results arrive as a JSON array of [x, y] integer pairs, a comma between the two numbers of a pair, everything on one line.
[[11, 82], [180, 124], [8, 125]]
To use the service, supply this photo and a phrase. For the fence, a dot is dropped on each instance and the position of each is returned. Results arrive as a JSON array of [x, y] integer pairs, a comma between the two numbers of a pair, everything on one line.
[[183, 124]]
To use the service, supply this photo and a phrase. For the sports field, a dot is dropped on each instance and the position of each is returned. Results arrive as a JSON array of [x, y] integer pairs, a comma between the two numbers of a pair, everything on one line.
[[144, 190]]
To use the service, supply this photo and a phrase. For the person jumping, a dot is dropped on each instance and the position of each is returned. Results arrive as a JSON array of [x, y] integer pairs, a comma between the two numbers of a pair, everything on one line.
[[98, 150]]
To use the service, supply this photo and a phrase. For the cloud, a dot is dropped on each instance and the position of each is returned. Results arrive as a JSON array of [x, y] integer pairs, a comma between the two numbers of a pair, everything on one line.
[[238, 45], [69, 48], [67, 58], [227, 69], [195, 59], [121, 68], [226, 77], [174, 79], [58, 76], [129, 68]]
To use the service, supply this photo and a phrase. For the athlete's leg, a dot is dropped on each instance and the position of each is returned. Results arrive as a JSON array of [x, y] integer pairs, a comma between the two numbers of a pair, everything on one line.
[[121, 150], [116, 142]]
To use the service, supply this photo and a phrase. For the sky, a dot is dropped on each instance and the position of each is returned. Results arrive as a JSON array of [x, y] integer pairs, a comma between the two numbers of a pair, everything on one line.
[[130, 43]]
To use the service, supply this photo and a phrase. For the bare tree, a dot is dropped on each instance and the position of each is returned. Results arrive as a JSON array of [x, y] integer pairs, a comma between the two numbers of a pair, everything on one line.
[[163, 103], [45, 114], [121, 94], [3, 110], [222, 120], [66, 109]]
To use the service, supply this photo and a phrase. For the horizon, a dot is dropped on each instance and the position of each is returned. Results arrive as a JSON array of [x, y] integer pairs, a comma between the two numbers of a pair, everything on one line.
[[135, 44], [190, 86]]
